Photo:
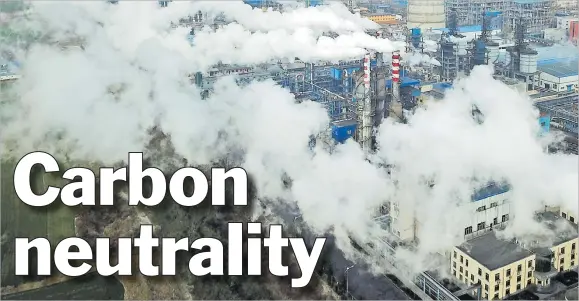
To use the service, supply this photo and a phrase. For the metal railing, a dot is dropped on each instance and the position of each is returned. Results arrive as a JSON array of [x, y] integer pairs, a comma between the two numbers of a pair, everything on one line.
[[423, 281]]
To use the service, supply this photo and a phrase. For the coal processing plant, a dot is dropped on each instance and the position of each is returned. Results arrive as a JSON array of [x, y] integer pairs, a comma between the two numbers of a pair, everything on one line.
[[441, 46]]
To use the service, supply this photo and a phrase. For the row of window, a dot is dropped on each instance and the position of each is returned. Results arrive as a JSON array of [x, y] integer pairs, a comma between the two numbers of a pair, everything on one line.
[[481, 226], [483, 208], [485, 287], [564, 215]]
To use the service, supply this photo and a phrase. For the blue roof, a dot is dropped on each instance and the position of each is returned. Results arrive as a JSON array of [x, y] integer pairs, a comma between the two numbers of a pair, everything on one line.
[[442, 86], [468, 28], [559, 67], [404, 82], [489, 191]]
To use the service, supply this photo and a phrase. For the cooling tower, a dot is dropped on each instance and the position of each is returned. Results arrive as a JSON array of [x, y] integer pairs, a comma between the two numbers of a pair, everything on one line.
[[426, 14]]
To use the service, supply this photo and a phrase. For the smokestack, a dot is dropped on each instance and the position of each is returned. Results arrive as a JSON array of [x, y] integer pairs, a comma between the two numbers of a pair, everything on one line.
[[366, 126], [395, 105], [367, 73], [396, 66]]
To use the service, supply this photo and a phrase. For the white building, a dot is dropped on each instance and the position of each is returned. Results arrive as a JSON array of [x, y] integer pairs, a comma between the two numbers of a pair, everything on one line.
[[564, 21], [558, 75], [489, 208]]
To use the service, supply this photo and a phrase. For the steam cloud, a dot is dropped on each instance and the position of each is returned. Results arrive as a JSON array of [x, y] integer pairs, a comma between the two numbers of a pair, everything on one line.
[[97, 104]]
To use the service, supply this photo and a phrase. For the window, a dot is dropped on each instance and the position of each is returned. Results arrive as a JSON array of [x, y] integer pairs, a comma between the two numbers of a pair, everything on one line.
[[530, 263], [505, 218], [480, 226], [487, 277], [486, 287], [518, 286], [461, 259], [496, 288], [528, 282], [507, 291], [572, 219], [472, 277], [520, 268], [508, 272], [497, 277], [454, 272], [454, 264], [467, 230], [466, 262], [573, 246], [572, 256], [562, 260], [496, 297], [572, 263], [454, 254], [508, 283], [562, 250], [519, 278], [564, 215], [460, 278], [529, 274], [495, 221], [481, 208], [479, 272], [494, 204], [460, 269]]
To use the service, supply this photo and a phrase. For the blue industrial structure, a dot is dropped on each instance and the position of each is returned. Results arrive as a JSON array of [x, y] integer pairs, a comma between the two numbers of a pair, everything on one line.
[[545, 122], [561, 111], [343, 130], [416, 37]]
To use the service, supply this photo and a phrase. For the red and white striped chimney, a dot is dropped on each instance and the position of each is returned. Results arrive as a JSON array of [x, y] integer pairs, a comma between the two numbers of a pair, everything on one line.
[[367, 71], [396, 66]]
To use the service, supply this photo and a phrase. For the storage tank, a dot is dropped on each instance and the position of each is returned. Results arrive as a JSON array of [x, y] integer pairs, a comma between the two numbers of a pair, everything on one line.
[[426, 14], [528, 61], [493, 51]]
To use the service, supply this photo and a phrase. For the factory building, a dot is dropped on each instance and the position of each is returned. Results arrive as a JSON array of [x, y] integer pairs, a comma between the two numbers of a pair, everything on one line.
[[558, 75], [384, 19], [494, 268]]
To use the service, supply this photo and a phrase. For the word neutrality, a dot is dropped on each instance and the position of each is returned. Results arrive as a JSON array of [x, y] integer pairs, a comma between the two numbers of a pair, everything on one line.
[[145, 243]]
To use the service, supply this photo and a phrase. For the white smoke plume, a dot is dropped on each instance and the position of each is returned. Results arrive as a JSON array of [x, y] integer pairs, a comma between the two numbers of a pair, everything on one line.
[[417, 58], [334, 17], [97, 104]]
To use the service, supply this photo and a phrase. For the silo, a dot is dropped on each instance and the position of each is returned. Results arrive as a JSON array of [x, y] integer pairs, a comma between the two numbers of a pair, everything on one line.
[[426, 14], [494, 51], [528, 61]]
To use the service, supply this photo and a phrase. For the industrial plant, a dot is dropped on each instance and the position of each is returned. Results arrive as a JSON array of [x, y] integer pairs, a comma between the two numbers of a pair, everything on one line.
[[532, 47]]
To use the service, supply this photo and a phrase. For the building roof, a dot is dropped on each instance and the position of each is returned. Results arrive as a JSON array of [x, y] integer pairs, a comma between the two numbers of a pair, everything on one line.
[[559, 67], [564, 229], [492, 252]]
